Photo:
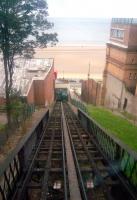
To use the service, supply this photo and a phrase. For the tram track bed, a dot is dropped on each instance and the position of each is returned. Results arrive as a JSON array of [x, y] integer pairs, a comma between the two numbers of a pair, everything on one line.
[[99, 180], [45, 176], [67, 164]]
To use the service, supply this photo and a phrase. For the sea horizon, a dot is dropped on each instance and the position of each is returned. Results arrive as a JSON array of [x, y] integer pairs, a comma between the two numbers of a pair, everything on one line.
[[81, 41], [59, 44], [81, 31]]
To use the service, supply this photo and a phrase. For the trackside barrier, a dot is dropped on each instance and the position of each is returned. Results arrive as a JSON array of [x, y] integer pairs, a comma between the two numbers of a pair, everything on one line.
[[17, 162], [79, 104], [121, 157]]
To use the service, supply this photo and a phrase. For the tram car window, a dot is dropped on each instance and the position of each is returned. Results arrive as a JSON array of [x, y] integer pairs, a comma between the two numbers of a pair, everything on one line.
[[61, 94]]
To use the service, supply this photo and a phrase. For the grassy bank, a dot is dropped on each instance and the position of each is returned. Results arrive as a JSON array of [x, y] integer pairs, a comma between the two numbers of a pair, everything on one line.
[[115, 124]]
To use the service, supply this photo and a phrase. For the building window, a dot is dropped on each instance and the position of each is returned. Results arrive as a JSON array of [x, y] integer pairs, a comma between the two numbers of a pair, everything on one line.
[[117, 33], [135, 76], [130, 76]]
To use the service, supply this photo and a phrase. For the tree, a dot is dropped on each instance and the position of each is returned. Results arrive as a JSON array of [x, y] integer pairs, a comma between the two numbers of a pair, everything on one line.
[[23, 25]]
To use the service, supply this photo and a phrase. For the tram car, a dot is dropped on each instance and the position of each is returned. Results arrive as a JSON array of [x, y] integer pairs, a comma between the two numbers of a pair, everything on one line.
[[61, 94]]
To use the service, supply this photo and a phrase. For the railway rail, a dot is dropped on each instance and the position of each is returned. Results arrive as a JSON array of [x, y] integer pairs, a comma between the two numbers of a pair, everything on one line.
[[46, 177], [98, 181], [68, 165]]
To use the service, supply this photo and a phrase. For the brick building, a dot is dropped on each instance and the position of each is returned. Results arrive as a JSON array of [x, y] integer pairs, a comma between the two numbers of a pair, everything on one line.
[[91, 91], [35, 79], [120, 74]]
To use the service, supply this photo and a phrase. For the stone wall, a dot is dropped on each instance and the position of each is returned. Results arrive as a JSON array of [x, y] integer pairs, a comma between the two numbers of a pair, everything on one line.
[[120, 74], [117, 95], [131, 106], [113, 91], [117, 54]]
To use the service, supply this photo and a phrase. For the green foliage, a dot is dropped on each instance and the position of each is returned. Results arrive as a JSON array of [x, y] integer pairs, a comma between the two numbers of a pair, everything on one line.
[[116, 125], [2, 127], [2, 108], [23, 27], [17, 106], [19, 109]]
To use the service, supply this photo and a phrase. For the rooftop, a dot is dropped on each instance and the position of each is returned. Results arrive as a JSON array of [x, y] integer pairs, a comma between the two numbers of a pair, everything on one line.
[[25, 71], [124, 21]]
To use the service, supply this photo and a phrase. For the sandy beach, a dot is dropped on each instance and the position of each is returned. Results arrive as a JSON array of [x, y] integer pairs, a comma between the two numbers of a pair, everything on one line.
[[73, 61]]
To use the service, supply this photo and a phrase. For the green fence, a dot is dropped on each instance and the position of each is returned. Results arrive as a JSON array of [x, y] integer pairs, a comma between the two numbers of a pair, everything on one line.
[[79, 105], [122, 159]]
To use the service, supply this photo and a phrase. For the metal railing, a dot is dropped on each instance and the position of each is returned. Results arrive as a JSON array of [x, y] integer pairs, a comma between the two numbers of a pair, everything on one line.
[[79, 105], [122, 159], [16, 162]]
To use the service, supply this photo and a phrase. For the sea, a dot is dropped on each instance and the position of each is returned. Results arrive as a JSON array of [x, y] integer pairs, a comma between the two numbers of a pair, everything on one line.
[[81, 31], [90, 35]]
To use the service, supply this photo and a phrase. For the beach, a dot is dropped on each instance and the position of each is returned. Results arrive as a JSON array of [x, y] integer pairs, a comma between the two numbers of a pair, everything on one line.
[[73, 61]]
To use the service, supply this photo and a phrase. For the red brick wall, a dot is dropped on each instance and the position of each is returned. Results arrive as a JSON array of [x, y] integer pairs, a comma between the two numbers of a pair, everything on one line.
[[42, 91], [91, 92], [2, 100], [130, 34], [39, 92], [30, 96], [133, 36], [84, 91], [49, 87], [136, 91]]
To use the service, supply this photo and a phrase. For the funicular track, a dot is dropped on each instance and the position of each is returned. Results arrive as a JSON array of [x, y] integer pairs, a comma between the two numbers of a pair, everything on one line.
[[96, 178], [46, 177], [68, 165]]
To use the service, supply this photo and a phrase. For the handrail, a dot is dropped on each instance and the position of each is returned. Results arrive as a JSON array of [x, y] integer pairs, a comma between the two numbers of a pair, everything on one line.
[[122, 159]]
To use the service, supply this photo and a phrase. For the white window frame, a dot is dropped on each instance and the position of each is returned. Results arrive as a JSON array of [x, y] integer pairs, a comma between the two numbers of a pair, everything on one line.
[[117, 31]]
